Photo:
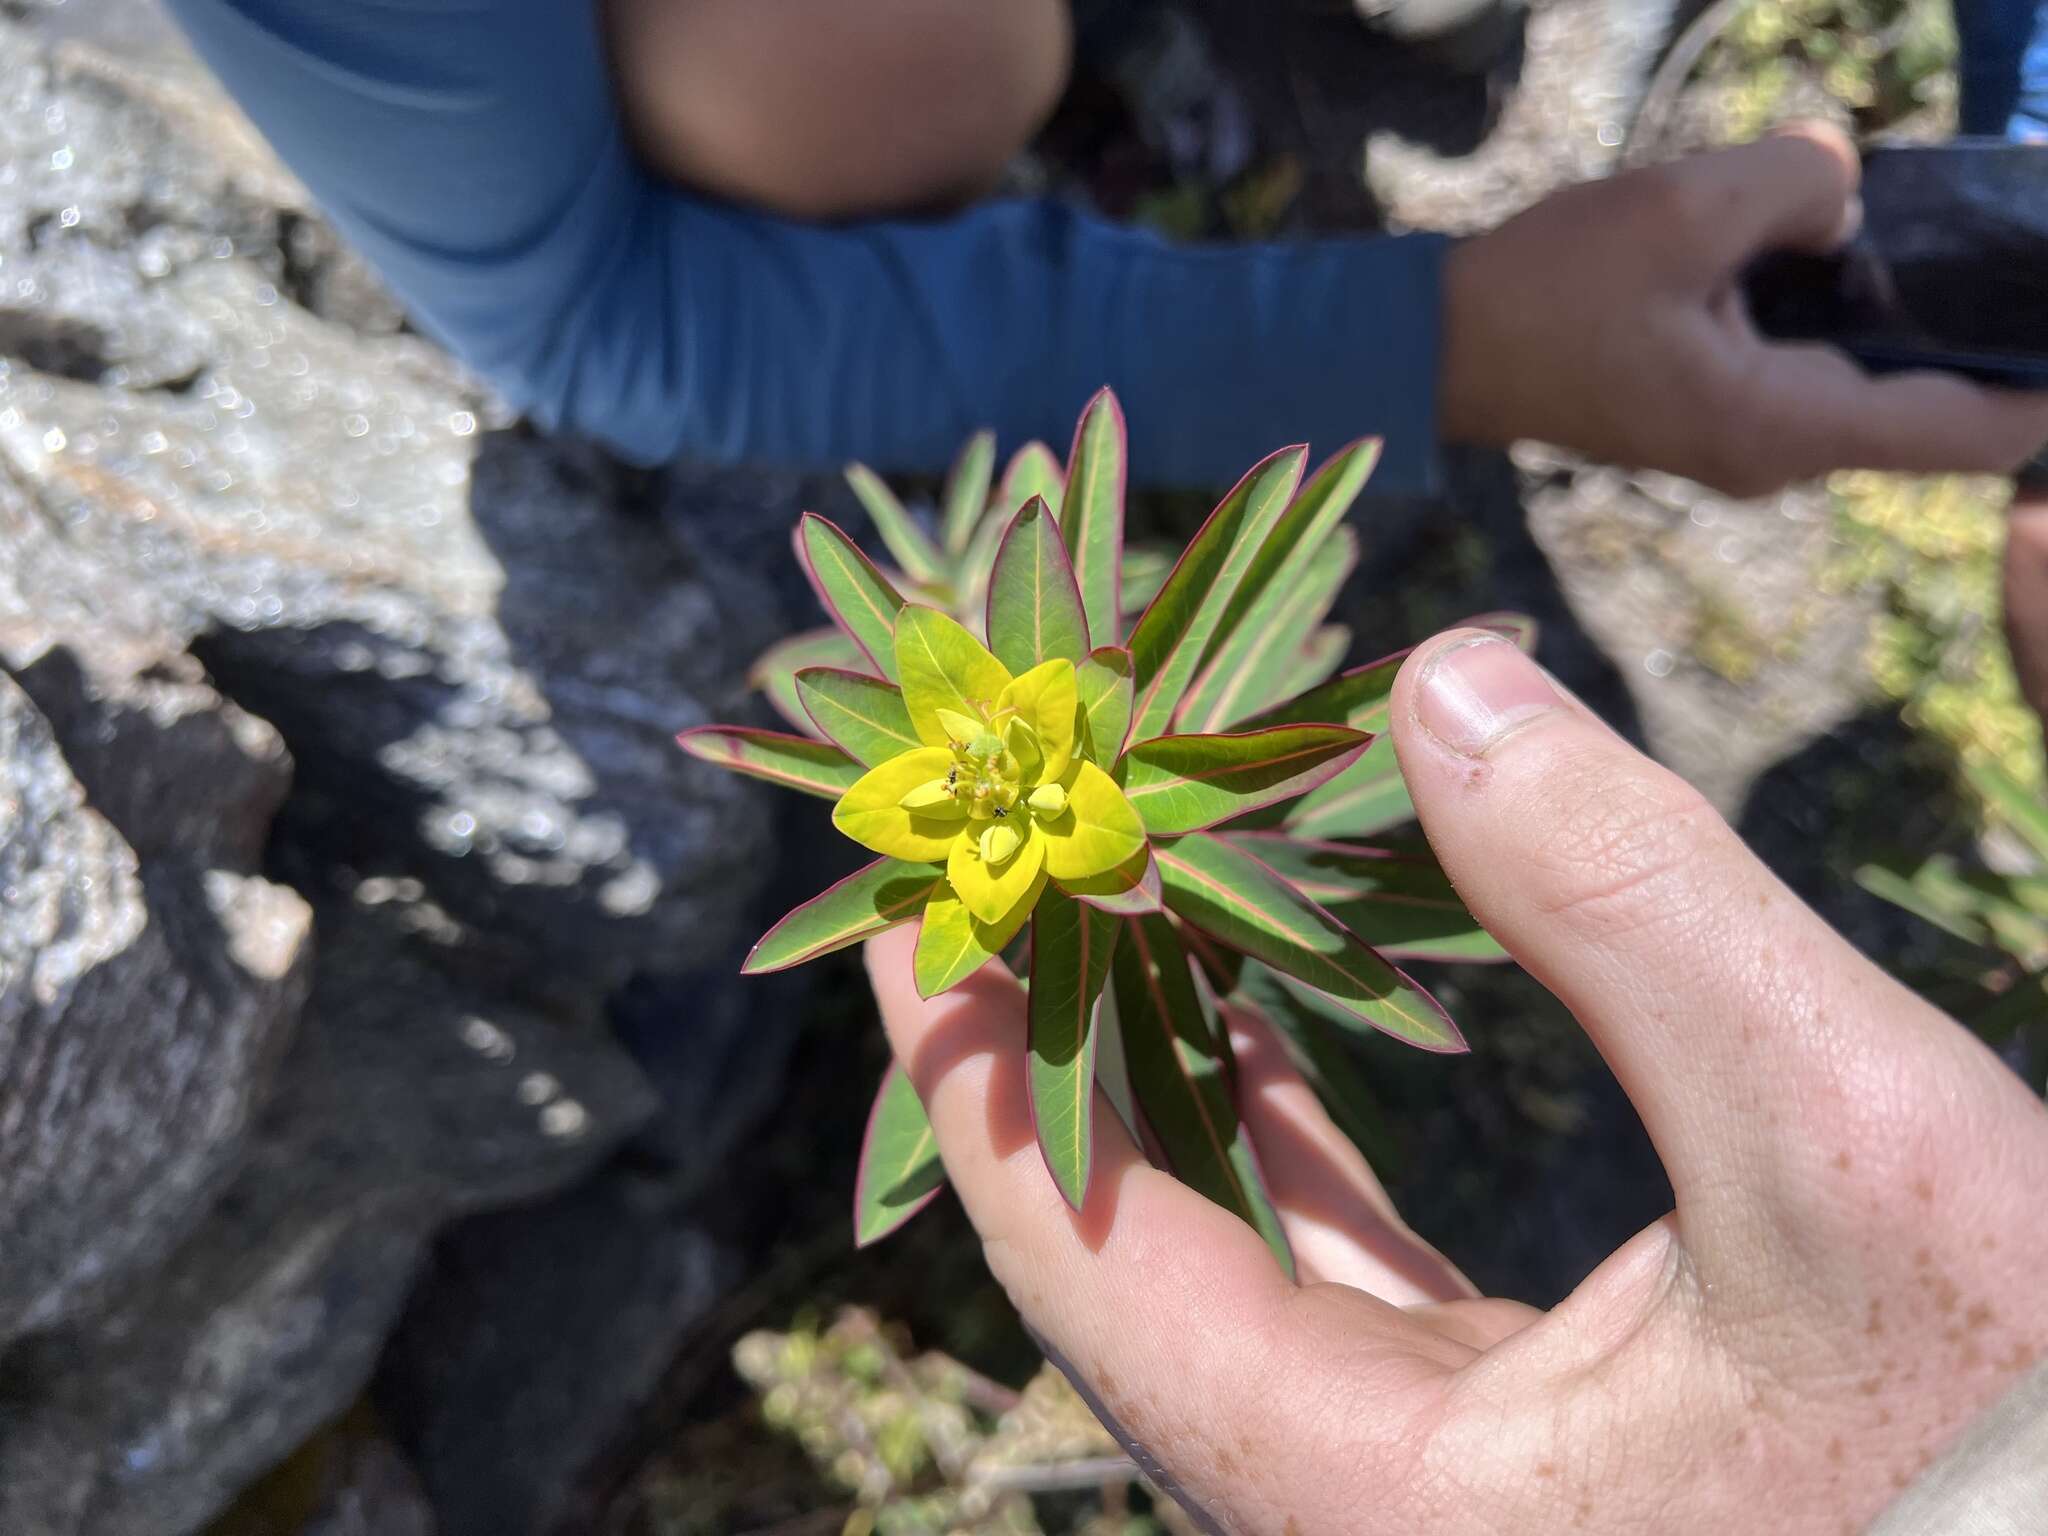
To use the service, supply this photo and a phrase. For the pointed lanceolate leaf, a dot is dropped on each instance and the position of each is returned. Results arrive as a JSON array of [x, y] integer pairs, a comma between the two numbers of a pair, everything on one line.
[[1175, 632], [774, 671], [857, 595], [1185, 783], [1284, 595], [1034, 609], [1321, 654], [1033, 470], [942, 666], [1401, 904], [1112, 1071], [1144, 572], [1092, 517], [1227, 893], [967, 489], [863, 714], [952, 944], [887, 892], [1104, 681], [1364, 800], [913, 552], [1177, 1064], [1324, 1055], [900, 1171], [1070, 950], [1359, 697], [795, 762], [1262, 657]]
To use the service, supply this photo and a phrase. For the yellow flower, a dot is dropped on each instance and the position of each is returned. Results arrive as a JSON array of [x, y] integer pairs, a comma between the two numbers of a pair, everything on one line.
[[998, 792]]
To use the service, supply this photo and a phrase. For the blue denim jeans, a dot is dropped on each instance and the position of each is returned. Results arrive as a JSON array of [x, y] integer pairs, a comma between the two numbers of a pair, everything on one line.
[[2004, 68]]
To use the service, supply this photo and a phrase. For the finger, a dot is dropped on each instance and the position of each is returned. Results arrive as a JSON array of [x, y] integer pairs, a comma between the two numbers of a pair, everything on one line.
[[1795, 190], [1818, 411], [1339, 1220], [1730, 1013], [1170, 1310], [2026, 594]]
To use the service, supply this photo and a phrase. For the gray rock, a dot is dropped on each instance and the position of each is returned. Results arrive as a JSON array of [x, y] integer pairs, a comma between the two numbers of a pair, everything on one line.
[[403, 1102], [478, 663], [139, 1020]]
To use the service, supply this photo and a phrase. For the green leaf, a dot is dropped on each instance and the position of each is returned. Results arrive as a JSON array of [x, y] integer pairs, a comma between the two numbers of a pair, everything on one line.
[[1092, 518], [1132, 887], [1033, 471], [915, 554], [1314, 660], [857, 595], [862, 714], [952, 943], [1178, 1069], [1929, 902], [1145, 570], [1112, 1071], [1401, 904], [775, 669], [880, 896], [1365, 799], [1225, 892], [1324, 1055], [1254, 667], [967, 488], [1104, 681], [2019, 807], [900, 1170], [1071, 945], [978, 565], [942, 666], [1175, 631], [1289, 587], [1360, 697], [795, 762], [1185, 783], [1034, 609]]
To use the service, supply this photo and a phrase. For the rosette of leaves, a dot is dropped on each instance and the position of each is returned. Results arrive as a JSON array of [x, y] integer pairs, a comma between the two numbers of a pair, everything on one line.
[[1150, 812]]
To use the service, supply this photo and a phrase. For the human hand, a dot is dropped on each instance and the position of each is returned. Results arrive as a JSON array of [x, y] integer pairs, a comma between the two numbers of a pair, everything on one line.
[[1851, 1274], [1609, 319]]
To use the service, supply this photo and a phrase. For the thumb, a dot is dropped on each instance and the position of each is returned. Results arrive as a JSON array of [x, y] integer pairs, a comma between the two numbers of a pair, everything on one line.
[[1726, 1008], [1795, 190]]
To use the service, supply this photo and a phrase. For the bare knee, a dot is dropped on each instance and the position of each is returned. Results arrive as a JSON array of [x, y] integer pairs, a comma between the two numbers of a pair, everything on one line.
[[837, 108]]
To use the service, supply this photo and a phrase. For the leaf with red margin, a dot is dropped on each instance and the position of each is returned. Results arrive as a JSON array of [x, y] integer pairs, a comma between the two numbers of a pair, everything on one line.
[[900, 1172], [1071, 945], [879, 896], [1235, 898], [850, 588], [795, 762]]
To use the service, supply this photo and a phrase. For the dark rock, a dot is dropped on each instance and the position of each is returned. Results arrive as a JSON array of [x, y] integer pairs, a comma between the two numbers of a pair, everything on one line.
[[402, 1103], [139, 1020], [512, 1377]]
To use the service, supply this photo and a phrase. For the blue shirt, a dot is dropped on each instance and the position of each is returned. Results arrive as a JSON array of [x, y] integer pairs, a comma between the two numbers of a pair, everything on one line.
[[473, 150]]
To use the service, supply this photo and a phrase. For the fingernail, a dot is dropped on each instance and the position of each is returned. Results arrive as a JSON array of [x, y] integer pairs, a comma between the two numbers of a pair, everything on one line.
[[1473, 692]]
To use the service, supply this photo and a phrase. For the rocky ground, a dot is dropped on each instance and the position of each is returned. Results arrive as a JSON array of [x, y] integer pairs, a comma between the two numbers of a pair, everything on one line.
[[381, 1119]]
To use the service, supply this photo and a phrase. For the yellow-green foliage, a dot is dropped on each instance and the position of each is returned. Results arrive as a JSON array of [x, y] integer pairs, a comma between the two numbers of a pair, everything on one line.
[[1885, 61], [1932, 549]]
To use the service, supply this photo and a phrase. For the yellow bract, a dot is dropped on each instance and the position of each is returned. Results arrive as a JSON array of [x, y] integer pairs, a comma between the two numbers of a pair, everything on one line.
[[997, 793]]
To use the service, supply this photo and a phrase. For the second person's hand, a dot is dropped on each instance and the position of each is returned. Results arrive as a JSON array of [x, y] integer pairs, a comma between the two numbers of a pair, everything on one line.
[[1608, 319], [1851, 1274]]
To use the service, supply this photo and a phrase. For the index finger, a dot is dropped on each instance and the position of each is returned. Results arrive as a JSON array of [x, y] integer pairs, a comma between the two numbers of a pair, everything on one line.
[[1205, 1359]]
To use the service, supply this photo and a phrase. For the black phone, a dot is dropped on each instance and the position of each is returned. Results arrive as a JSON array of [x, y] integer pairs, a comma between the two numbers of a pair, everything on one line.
[[1949, 271]]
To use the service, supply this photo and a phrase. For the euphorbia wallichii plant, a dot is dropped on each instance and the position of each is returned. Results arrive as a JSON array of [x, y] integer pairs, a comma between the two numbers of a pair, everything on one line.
[[1160, 776]]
